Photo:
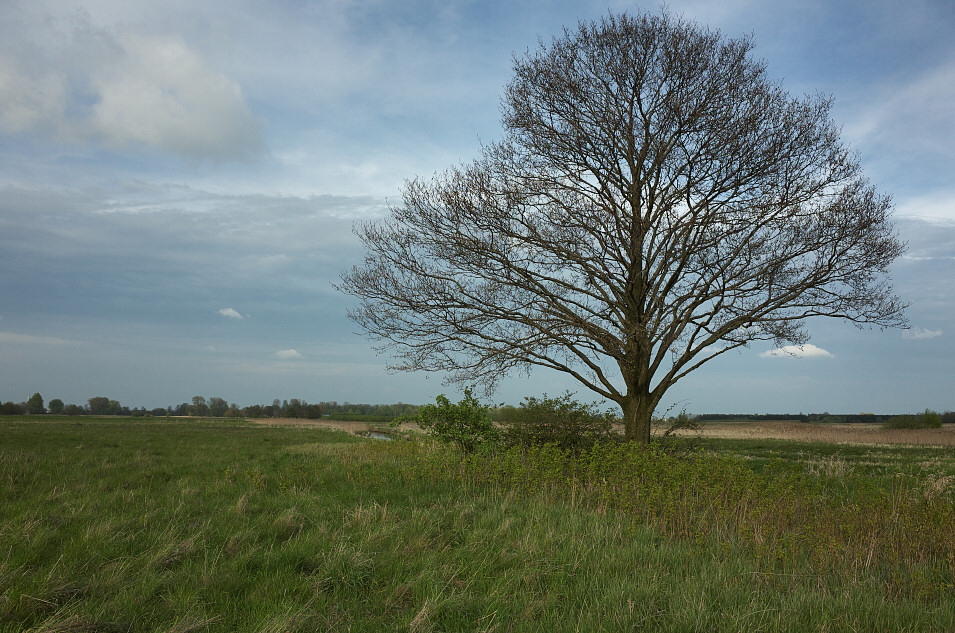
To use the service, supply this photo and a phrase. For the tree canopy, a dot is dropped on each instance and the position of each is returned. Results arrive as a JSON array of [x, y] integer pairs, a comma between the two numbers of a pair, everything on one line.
[[657, 200]]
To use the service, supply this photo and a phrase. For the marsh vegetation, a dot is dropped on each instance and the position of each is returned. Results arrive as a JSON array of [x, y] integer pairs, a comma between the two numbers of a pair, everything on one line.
[[200, 525]]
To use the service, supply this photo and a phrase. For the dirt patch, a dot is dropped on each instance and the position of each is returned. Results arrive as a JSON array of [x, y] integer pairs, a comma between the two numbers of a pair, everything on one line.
[[830, 433]]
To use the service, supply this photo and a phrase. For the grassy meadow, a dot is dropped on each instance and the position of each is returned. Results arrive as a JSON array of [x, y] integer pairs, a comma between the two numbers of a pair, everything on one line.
[[211, 525]]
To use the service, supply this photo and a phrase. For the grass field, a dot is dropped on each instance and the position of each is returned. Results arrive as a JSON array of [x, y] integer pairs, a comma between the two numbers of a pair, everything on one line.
[[191, 525]]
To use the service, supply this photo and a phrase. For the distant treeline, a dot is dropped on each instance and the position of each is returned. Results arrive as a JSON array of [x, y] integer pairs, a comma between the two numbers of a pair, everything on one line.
[[216, 407]]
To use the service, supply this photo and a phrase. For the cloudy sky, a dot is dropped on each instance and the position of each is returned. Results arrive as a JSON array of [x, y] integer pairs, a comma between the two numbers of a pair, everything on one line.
[[179, 179]]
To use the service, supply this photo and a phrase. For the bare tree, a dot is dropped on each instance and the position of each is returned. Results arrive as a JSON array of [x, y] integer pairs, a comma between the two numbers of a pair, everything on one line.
[[657, 201]]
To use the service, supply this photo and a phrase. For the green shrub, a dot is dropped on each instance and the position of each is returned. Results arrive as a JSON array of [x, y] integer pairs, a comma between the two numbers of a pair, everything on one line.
[[927, 420], [563, 421], [467, 423]]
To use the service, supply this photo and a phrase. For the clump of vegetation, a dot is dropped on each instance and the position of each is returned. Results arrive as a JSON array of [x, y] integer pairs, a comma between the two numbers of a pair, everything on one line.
[[846, 529], [562, 421], [927, 420], [682, 432], [467, 424]]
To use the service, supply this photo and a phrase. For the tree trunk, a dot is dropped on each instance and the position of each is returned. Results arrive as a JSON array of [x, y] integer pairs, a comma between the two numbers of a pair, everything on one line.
[[637, 413]]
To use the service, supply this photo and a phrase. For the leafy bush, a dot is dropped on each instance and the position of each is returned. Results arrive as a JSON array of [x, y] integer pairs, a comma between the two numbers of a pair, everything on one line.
[[467, 423], [562, 421], [927, 420]]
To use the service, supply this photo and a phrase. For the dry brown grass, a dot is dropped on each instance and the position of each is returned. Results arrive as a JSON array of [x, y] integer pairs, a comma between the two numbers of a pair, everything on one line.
[[341, 425], [796, 431], [831, 433], [355, 428]]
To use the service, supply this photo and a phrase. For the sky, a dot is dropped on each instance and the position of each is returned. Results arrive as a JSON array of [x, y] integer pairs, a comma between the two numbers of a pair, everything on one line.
[[179, 181]]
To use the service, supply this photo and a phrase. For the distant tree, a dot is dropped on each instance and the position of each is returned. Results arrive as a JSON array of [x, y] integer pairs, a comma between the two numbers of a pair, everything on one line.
[[73, 409], [101, 405], [11, 408], [294, 409], [199, 406], [56, 406], [182, 409], [98, 405], [255, 411], [658, 201], [218, 407], [35, 405]]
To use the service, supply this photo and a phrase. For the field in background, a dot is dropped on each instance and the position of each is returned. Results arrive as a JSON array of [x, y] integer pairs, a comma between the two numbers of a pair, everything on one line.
[[793, 431], [828, 432], [115, 525]]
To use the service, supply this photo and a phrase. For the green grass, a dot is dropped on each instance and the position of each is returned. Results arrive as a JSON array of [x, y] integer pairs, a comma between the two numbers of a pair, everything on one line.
[[180, 525]]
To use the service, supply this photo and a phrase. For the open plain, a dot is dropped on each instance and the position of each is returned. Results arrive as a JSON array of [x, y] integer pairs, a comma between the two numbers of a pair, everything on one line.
[[119, 525]]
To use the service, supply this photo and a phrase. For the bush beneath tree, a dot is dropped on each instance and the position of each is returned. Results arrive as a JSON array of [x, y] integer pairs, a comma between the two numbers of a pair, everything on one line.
[[562, 421]]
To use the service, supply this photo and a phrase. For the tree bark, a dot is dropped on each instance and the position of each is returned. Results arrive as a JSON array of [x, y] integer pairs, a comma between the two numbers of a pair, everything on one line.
[[637, 414]]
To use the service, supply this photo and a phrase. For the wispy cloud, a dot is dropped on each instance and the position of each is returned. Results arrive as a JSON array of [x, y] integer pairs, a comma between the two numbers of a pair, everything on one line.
[[288, 354], [30, 339], [936, 205], [797, 351], [230, 313], [918, 333]]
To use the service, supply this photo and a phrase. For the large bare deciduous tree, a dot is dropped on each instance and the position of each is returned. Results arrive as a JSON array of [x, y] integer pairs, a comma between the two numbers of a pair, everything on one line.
[[657, 201]]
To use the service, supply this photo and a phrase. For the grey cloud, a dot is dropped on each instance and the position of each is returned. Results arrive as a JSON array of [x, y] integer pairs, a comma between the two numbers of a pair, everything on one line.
[[86, 252]]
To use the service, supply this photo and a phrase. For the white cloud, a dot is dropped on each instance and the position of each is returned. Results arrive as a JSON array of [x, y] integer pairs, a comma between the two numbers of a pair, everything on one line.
[[230, 313], [797, 351], [918, 333], [288, 354], [69, 78], [162, 93]]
